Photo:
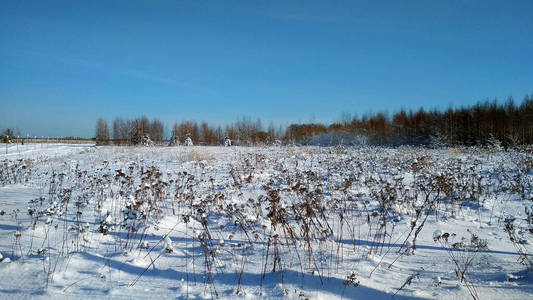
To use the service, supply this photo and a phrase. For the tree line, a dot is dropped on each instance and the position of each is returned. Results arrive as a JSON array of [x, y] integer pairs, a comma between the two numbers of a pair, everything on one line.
[[245, 132], [485, 122]]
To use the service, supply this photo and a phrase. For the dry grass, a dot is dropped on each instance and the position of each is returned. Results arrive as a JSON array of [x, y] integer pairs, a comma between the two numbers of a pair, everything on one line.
[[197, 154]]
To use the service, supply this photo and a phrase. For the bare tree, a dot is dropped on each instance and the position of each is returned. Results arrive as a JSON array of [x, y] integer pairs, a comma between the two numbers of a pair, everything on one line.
[[195, 132], [102, 132], [175, 136], [121, 131], [271, 133], [182, 130], [231, 132], [156, 131], [219, 136]]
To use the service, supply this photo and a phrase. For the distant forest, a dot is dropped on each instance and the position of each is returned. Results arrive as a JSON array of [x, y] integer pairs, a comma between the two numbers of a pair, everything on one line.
[[485, 122]]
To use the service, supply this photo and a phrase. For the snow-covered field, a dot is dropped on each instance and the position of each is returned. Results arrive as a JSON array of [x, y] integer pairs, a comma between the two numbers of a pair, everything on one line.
[[269, 222]]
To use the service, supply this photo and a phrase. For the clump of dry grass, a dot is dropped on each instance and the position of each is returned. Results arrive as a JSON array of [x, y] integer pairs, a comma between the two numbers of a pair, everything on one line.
[[197, 154]]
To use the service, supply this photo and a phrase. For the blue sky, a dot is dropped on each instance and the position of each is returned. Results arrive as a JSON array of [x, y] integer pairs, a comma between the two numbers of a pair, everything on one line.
[[65, 63]]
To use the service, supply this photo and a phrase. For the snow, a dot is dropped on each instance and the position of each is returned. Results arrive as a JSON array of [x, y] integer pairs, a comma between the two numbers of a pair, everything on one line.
[[169, 247], [213, 222]]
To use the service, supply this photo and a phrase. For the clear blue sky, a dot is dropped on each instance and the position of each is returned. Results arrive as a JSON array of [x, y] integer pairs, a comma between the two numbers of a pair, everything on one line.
[[65, 63]]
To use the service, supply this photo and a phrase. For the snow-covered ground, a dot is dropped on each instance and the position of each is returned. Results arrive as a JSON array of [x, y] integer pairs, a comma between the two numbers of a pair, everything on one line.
[[266, 222]]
